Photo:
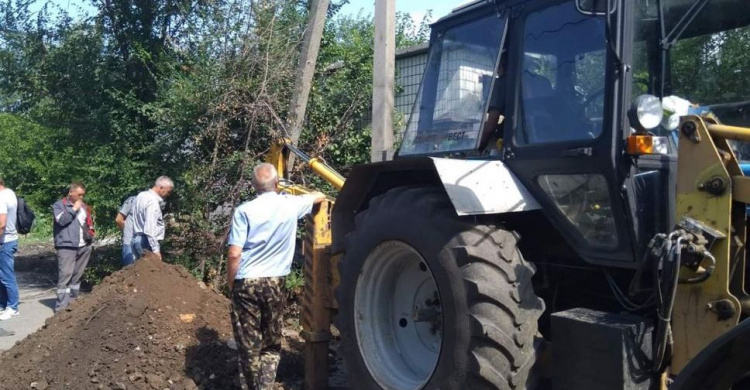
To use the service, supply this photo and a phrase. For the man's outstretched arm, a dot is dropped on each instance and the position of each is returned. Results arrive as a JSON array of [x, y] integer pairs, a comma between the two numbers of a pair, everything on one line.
[[318, 197]]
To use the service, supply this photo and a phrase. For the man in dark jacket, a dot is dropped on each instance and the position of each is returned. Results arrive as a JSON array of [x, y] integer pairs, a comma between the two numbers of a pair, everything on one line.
[[74, 232]]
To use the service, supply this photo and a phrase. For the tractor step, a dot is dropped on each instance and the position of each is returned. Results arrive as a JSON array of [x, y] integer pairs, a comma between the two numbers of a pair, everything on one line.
[[597, 350]]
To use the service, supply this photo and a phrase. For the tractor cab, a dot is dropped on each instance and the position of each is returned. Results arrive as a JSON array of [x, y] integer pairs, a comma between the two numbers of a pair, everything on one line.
[[557, 90]]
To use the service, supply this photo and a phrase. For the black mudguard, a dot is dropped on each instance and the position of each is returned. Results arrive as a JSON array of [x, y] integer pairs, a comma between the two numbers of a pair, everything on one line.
[[369, 180]]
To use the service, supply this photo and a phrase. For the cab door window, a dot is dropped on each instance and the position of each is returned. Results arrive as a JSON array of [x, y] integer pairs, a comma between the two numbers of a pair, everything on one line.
[[562, 76]]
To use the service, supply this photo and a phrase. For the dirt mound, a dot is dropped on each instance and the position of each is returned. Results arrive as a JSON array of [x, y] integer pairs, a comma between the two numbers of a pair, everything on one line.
[[150, 326]]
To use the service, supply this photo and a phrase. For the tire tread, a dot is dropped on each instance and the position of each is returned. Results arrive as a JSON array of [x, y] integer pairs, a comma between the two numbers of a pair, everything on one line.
[[494, 273]]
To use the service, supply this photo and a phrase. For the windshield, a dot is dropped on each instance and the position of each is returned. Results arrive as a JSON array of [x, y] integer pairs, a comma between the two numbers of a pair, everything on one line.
[[458, 78], [708, 64]]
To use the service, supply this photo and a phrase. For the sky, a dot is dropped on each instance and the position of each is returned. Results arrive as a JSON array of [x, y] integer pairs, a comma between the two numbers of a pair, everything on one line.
[[416, 8]]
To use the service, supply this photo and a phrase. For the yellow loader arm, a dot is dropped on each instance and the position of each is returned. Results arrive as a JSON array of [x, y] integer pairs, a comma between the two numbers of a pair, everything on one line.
[[712, 193], [279, 155]]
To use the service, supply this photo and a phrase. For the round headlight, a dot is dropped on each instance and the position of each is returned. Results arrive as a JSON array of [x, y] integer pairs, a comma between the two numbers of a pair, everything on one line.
[[646, 113]]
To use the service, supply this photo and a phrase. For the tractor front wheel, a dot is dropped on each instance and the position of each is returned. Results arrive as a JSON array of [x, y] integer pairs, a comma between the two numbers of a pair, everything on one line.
[[428, 300]]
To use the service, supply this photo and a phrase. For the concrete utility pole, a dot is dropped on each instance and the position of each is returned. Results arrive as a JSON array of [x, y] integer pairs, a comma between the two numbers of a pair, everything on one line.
[[308, 58], [383, 80]]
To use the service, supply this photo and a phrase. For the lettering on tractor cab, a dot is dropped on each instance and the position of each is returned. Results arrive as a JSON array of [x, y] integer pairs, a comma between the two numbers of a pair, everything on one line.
[[458, 135]]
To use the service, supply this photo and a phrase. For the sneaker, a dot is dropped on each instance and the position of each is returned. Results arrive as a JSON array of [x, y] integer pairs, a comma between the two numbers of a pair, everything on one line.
[[8, 314]]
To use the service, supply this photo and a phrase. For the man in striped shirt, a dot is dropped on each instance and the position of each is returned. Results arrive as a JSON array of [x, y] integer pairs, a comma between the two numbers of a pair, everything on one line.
[[148, 222]]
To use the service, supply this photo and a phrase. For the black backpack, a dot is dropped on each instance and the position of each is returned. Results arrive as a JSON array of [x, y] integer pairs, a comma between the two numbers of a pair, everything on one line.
[[24, 217]]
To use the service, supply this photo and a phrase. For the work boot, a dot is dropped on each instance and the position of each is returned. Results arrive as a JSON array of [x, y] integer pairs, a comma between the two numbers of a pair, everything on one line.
[[74, 293], [75, 290], [268, 372], [63, 300]]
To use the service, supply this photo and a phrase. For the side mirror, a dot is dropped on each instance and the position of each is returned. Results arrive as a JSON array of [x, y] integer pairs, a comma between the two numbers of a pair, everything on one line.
[[596, 7]]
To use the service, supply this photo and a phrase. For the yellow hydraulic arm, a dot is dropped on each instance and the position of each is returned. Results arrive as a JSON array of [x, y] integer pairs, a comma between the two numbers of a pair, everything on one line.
[[278, 156]]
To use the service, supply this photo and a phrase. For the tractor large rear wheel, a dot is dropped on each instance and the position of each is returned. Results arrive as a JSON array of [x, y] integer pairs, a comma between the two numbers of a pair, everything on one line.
[[427, 300]]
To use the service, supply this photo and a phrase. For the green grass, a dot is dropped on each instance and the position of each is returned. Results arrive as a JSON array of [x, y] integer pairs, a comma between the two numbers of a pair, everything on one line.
[[295, 280]]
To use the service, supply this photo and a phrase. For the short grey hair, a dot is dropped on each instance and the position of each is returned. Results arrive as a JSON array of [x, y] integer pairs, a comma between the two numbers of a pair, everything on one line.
[[164, 181], [76, 185], [265, 178]]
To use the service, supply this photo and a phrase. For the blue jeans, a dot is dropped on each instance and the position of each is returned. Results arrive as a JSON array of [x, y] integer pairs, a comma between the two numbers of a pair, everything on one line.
[[140, 246], [9, 288], [127, 255]]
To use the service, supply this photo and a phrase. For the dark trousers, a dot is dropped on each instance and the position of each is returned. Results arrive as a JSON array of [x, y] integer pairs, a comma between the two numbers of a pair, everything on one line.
[[257, 309], [71, 263]]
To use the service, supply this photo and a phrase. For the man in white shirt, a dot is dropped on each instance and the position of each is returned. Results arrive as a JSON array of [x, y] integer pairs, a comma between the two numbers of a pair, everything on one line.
[[148, 222], [8, 248], [261, 250]]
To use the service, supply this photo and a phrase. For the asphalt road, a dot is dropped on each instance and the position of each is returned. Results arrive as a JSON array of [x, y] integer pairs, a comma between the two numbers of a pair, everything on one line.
[[37, 302], [36, 272]]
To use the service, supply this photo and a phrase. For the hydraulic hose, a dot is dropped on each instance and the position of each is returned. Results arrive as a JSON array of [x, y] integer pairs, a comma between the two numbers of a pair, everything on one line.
[[664, 313], [705, 275]]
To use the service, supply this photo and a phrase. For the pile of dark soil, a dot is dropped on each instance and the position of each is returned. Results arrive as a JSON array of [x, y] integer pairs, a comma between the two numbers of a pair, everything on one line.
[[149, 326]]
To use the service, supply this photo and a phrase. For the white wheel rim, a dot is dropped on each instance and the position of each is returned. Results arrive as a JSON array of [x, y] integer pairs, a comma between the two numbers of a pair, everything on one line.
[[398, 317]]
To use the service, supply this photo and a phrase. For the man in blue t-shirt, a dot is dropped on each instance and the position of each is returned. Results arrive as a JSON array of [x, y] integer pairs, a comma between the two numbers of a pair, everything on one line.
[[261, 250]]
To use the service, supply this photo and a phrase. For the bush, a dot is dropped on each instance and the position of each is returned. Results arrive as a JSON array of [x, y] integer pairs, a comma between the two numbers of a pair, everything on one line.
[[104, 261]]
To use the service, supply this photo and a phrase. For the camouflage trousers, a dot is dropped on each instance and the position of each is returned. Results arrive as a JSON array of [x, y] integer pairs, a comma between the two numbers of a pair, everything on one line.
[[257, 309]]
